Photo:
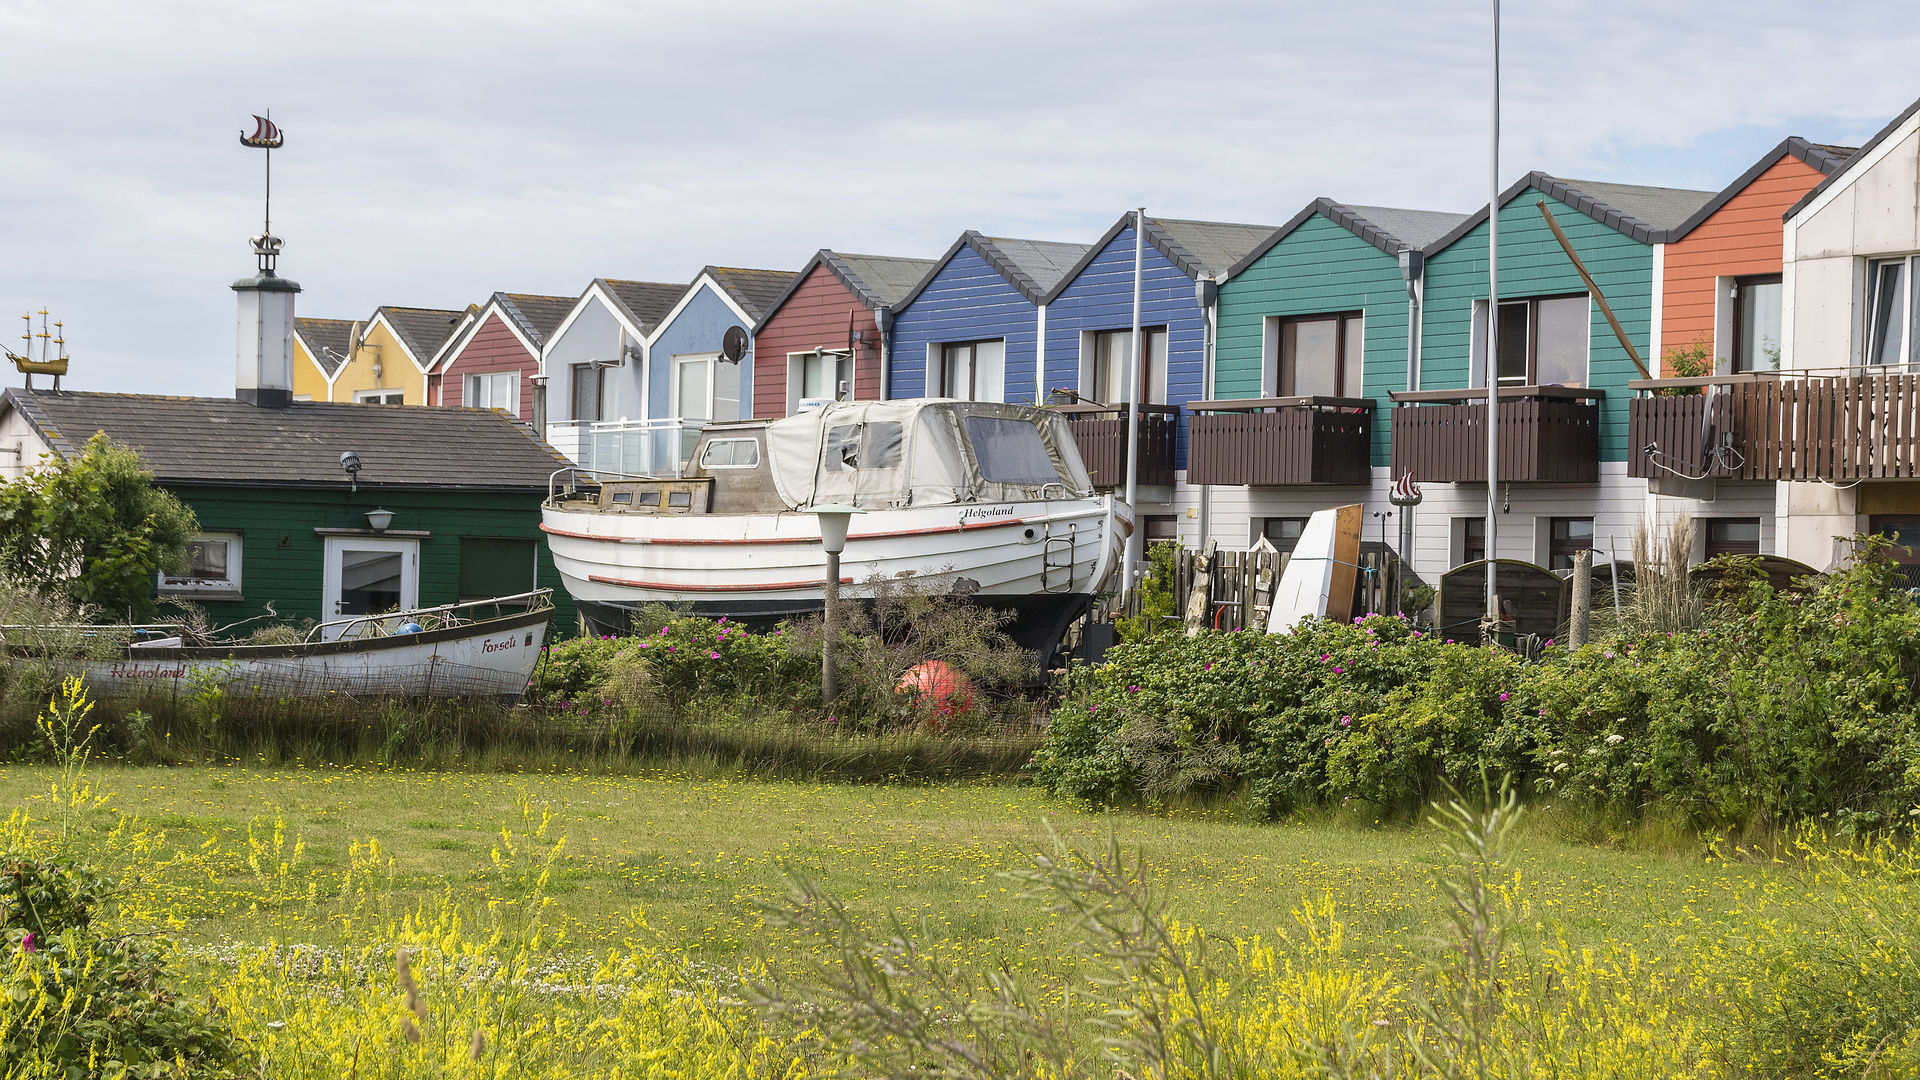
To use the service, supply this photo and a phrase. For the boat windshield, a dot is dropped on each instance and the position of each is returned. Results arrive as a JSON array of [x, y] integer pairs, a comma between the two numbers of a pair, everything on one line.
[[924, 453]]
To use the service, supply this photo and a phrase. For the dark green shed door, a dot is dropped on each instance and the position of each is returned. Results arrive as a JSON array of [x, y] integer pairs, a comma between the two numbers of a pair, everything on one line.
[[496, 566]]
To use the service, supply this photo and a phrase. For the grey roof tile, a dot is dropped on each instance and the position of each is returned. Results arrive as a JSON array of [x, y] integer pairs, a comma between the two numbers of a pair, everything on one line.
[[322, 335], [1216, 244], [422, 330], [538, 316], [227, 441], [1413, 228], [647, 302], [753, 290], [1045, 261], [884, 278], [1661, 208]]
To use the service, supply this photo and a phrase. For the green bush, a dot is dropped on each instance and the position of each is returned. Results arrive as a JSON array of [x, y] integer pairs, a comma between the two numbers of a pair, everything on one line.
[[573, 670]]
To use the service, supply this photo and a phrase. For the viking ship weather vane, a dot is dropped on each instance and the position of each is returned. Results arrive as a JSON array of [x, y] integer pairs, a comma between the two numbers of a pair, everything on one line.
[[266, 136]]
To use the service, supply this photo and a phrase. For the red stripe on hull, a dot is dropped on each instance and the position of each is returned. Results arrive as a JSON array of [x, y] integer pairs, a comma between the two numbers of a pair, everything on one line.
[[962, 527], [661, 586]]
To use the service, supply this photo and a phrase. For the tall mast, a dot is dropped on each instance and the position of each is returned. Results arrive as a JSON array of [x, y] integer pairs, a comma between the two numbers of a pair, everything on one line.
[[1493, 340]]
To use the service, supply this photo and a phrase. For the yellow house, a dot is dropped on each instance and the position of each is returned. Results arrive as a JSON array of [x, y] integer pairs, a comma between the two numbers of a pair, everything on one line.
[[383, 361]]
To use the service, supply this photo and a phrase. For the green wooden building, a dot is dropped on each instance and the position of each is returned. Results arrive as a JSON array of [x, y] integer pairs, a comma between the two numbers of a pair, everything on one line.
[[442, 504]]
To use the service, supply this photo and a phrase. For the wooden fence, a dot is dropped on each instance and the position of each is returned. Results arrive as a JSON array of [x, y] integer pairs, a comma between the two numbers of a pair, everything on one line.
[[1240, 585], [1851, 427]]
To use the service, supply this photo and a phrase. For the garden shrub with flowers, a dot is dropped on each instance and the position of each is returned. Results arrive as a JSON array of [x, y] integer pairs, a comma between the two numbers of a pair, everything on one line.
[[1780, 705]]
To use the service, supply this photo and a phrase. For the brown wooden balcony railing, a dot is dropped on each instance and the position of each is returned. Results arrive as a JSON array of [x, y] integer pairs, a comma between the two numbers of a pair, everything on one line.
[[1548, 434], [1279, 441], [1780, 426], [1101, 433]]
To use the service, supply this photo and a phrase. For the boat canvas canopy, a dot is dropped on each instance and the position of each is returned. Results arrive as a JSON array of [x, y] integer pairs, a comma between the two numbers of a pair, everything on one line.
[[925, 452]]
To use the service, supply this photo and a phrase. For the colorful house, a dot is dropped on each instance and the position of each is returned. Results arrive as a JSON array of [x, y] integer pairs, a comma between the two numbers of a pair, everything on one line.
[[971, 328], [593, 366], [830, 328], [320, 347], [1562, 369], [491, 361], [688, 373], [390, 362], [1312, 337], [1089, 335]]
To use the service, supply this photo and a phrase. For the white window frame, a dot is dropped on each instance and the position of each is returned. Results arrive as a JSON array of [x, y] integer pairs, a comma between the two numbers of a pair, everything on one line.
[[211, 588], [379, 397], [985, 382], [711, 361], [331, 572], [1910, 349], [512, 379], [797, 377]]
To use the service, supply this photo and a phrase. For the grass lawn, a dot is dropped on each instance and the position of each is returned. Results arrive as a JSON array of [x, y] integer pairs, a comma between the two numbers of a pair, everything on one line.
[[691, 857]]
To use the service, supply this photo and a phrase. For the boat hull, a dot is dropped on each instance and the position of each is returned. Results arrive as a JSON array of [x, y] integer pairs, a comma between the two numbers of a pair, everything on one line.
[[493, 658], [1042, 561]]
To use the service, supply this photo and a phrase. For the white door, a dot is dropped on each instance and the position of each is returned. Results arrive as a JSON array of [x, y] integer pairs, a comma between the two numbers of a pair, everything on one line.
[[366, 575]]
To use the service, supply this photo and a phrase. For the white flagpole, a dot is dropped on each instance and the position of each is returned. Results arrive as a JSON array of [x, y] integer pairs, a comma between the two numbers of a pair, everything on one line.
[[1133, 403], [1493, 337]]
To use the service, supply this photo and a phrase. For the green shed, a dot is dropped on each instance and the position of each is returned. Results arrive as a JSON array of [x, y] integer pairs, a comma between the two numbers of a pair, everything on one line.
[[321, 510]]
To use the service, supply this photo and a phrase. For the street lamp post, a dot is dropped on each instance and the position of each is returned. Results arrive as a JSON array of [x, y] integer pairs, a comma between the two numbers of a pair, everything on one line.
[[833, 538]]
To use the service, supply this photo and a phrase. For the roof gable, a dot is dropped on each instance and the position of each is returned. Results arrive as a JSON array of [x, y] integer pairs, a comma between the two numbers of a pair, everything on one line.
[[326, 341], [1199, 249], [1862, 156], [1827, 159], [420, 331], [754, 291], [190, 440], [1390, 229], [1644, 214], [1032, 267], [876, 281]]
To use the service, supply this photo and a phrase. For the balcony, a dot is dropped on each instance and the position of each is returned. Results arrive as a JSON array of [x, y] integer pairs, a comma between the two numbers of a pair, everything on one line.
[[1101, 433], [1778, 426], [658, 447], [1280, 441], [1548, 434]]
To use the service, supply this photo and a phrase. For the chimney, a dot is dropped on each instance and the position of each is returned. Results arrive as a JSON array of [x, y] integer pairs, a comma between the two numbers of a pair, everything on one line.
[[263, 368]]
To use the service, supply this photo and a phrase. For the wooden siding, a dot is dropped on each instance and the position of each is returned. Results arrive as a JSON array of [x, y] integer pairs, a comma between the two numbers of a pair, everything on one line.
[[814, 315], [1101, 298], [1319, 268], [967, 300], [1743, 237], [282, 559], [493, 348], [1533, 264]]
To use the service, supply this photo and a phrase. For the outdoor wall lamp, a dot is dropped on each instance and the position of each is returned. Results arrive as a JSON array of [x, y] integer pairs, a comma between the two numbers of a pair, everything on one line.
[[379, 519], [350, 461]]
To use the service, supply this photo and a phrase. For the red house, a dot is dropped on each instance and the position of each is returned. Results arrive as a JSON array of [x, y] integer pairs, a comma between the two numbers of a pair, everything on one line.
[[491, 360], [831, 327]]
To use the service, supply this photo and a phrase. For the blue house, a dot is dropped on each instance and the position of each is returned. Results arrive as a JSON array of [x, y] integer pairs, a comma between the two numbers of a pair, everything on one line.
[[686, 375], [1089, 346], [971, 328]]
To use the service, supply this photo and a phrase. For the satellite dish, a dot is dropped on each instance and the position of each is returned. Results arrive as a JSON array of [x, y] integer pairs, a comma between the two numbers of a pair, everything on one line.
[[733, 345]]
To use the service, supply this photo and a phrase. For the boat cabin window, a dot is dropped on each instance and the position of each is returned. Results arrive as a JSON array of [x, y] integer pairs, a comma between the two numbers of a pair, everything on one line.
[[1010, 451], [623, 496], [679, 498], [649, 498], [873, 445], [731, 454]]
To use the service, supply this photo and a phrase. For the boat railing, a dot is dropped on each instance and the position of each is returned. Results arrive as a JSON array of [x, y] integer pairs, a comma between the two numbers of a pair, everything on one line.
[[388, 623], [580, 474]]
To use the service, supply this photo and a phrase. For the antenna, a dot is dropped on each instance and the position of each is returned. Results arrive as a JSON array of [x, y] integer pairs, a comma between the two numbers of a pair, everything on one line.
[[266, 136]]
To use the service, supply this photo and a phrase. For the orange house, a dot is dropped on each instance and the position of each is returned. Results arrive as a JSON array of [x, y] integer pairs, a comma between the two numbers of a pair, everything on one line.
[[1721, 268]]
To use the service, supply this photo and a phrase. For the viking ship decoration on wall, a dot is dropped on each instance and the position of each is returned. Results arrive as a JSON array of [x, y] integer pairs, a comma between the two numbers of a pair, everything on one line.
[[266, 136], [53, 351]]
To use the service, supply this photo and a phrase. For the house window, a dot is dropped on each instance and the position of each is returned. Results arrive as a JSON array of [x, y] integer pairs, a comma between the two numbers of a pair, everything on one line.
[[1756, 323], [1890, 337], [494, 390], [818, 375], [380, 397], [213, 568], [1904, 531], [706, 388], [1321, 355], [1543, 341], [589, 385], [1733, 536], [1569, 537], [1113, 359], [973, 371], [1283, 533], [1473, 539], [1162, 528], [493, 566]]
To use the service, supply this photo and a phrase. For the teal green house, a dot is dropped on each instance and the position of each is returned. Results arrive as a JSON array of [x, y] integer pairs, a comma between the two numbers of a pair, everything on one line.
[[1312, 336], [440, 506]]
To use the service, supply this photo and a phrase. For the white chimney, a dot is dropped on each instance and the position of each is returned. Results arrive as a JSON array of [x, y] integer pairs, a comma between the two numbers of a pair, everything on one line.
[[263, 366]]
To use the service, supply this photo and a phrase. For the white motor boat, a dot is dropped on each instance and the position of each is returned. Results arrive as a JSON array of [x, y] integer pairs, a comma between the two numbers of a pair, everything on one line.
[[485, 648], [990, 500]]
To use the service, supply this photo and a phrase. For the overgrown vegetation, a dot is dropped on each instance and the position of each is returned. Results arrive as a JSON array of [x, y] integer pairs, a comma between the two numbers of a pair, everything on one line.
[[1749, 708]]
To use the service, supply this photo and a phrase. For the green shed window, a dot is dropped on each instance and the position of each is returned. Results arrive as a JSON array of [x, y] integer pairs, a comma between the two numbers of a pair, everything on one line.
[[493, 566]]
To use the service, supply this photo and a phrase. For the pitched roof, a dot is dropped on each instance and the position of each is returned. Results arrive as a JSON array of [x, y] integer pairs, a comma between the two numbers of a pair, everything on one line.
[[1646, 214], [538, 316], [1862, 154], [322, 335], [878, 281], [188, 440], [1388, 228], [1201, 249], [1033, 267], [421, 330], [647, 302], [754, 290], [1827, 159]]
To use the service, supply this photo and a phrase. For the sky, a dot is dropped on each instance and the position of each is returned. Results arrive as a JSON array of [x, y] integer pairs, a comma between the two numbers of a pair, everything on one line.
[[437, 153]]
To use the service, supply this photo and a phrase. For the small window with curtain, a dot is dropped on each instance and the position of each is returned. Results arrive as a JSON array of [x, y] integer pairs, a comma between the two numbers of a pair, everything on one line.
[[973, 371], [213, 568], [1113, 360], [494, 390], [1322, 356], [588, 381]]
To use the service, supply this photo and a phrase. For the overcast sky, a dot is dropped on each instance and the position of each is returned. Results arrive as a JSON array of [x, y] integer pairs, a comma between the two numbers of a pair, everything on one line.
[[439, 152]]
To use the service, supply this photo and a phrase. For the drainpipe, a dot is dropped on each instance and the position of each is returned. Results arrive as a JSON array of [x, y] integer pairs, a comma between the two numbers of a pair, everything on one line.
[[883, 322], [1413, 267], [1207, 292], [1040, 357]]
